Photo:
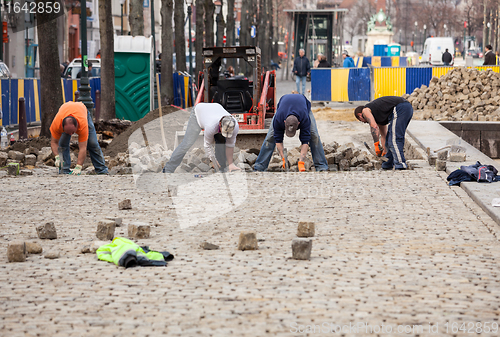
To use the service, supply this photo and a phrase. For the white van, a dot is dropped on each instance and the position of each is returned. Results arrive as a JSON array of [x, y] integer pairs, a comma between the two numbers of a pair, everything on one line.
[[76, 66], [434, 48]]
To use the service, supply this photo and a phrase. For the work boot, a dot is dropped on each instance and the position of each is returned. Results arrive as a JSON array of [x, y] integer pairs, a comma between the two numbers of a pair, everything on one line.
[[388, 165]]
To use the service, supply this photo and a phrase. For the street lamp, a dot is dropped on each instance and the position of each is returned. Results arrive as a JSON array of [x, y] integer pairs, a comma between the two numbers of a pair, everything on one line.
[[84, 89], [121, 15], [416, 24], [489, 32], [190, 11], [425, 36], [218, 8], [444, 26]]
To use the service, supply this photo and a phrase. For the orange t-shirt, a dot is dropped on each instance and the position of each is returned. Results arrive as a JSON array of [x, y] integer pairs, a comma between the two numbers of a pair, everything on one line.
[[77, 110]]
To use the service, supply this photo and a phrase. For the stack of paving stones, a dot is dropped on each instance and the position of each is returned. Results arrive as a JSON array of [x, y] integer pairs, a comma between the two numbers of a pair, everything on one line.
[[25, 161], [460, 95]]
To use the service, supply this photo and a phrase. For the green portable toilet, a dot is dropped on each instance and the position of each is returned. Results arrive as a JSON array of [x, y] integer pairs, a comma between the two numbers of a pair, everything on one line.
[[134, 76], [394, 49]]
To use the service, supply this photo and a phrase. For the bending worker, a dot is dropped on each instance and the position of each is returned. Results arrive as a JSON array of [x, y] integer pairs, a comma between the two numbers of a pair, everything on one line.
[[73, 117], [220, 129], [293, 112], [388, 118]]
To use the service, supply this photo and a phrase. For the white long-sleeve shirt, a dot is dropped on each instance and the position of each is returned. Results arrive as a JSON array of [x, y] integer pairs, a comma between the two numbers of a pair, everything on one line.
[[209, 116]]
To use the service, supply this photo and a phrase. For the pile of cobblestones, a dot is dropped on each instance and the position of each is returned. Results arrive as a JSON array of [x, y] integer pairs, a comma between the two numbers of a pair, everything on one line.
[[460, 95], [23, 162]]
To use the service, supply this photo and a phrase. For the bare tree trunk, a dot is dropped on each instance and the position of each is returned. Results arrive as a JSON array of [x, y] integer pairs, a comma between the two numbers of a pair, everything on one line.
[[107, 61], [180, 37], [485, 2], [209, 23], [244, 30], [136, 17], [198, 45], [261, 25], [230, 33], [266, 55], [50, 74], [221, 25], [167, 84]]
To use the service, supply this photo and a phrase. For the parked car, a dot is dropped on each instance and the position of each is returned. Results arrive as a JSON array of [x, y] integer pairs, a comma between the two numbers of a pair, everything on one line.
[[434, 48], [4, 71], [76, 66], [475, 53]]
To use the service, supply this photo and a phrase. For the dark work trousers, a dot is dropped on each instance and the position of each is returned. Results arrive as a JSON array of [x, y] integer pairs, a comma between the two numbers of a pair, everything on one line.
[[396, 131], [220, 150]]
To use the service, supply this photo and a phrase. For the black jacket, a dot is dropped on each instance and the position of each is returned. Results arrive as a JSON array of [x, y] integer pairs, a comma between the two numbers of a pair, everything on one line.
[[324, 64], [301, 66], [490, 58], [447, 58]]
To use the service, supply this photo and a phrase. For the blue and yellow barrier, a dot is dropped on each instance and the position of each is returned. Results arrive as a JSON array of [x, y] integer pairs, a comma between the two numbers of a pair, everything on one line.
[[29, 88], [183, 96], [355, 84], [340, 84]]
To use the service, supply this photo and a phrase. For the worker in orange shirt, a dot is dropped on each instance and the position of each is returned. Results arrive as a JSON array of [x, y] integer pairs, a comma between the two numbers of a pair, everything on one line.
[[73, 117]]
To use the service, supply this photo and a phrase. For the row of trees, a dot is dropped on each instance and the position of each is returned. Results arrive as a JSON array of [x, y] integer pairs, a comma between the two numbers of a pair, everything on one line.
[[441, 18], [264, 14]]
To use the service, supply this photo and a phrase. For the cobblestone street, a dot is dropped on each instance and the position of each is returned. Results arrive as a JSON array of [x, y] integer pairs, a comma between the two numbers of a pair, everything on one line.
[[392, 249]]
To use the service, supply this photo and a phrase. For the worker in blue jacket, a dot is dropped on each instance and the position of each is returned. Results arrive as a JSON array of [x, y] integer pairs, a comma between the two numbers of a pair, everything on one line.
[[348, 61], [293, 113]]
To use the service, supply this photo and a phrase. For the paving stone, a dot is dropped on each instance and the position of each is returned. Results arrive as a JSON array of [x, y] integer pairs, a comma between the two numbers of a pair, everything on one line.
[[31, 150], [301, 249], [105, 230], [306, 229], [118, 221], [457, 156], [47, 231], [139, 230], [208, 246], [125, 204], [16, 252], [440, 165], [3, 158], [25, 172], [52, 254], [442, 155], [30, 159], [33, 248], [16, 155], [13, 169], [248, 241]]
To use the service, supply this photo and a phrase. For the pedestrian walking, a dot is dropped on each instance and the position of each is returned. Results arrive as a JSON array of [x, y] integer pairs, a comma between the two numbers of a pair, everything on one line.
[[446, 58], [489, 57], [348, 61], [301, 68]]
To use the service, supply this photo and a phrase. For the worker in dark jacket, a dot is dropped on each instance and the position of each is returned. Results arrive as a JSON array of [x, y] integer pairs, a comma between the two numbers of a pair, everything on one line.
[[301, 68], [388, 117], [293, 112], [489, 57], [446, 58]]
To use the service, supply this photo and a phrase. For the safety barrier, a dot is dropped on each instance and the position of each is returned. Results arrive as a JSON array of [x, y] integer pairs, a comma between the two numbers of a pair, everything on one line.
[[364, 84], [29, 88]]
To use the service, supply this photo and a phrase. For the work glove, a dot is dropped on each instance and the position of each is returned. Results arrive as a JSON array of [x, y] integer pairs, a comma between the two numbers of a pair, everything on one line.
[[302, 167], [58, 163], [378, 148], [284, 162], [77, 170]]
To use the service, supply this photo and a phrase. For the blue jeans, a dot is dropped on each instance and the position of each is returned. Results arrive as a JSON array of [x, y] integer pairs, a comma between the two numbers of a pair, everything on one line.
[[297, 82], [93, 148], [396, 130], [317, 151], [192, 132]]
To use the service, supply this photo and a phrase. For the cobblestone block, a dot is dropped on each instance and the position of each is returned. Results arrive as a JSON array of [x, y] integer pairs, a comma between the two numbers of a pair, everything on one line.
[[16, 155], [33, 248], [16, 252], [105, 230], [139, 230], [248, 241], [13, 169], [457, 156], [442, 155], [301, 249], [47, 231], [125, 204], [52, 254], [305, 229], [30, 159], [440, 165], [208, 246], [3, 158]]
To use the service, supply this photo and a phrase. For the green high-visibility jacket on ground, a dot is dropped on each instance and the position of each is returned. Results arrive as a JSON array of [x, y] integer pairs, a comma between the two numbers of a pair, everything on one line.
[[126, 253]]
